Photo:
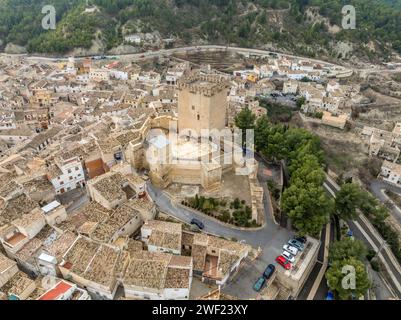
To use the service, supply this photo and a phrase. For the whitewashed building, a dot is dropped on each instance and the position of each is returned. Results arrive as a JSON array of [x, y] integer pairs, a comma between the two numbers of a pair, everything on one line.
[[66, 175]]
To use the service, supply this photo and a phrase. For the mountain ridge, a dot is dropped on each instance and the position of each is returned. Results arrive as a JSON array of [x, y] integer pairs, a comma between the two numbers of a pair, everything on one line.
[[305, 27]]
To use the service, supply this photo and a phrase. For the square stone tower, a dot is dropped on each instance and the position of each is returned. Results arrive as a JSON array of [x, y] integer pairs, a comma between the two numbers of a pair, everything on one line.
[[202, 103]]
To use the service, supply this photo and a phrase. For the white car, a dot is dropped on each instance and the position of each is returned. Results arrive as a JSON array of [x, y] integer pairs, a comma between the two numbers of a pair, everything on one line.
[[288, 256], [290, 249]]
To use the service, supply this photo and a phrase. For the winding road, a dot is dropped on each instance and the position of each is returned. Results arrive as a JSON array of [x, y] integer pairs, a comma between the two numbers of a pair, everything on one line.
[[378, 187], [260, 237]]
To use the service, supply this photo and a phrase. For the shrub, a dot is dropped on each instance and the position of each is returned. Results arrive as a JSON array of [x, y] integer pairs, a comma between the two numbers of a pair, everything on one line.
[[375, 265], [370, 255], [225, 217], [236, 203]]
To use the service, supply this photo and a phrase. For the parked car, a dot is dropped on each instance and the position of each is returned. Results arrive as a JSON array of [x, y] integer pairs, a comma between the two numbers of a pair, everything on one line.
[[290, 249], [295, 243], [301, 239], [269, 271], [259, 284], [288, 256], [198, 223], [284, 262]]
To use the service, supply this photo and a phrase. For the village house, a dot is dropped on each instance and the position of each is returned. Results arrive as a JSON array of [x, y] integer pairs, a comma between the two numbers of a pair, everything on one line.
[[122, 221], [160, 236], [158, 276], [15, 136], [92, 266], [66, 175], [19, 287], [391, 172], [290, 87], [214, 259], [113, 189], [99, 75], [54, 213], [8, 268], [64, 290], [55, 244]]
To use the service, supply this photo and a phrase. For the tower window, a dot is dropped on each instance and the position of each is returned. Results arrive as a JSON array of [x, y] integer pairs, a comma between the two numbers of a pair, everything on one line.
[[198, 117]]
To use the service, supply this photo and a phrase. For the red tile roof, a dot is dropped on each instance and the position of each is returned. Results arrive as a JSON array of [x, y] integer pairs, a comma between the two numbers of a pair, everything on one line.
[[61, 288]]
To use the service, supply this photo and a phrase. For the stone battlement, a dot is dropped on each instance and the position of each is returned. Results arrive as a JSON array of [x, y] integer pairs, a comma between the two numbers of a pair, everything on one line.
[[207, 85]]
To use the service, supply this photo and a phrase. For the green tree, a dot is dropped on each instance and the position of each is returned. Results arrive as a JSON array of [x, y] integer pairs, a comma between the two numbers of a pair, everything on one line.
[[308, 206], [196, 201], [348, 200], [300, 102], [245, 120], [347, 248], [236, 203], [337, 276]]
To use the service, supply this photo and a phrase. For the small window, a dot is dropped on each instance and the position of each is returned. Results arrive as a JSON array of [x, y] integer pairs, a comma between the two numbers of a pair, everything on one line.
[[198, 116], [69, 170], [193, 107]]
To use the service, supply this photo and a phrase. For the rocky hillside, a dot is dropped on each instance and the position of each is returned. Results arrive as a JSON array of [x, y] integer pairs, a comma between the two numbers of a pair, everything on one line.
[[306, 27]]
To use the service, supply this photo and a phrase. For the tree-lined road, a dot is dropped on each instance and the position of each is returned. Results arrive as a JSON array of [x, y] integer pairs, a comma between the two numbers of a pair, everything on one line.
[[364, 230]]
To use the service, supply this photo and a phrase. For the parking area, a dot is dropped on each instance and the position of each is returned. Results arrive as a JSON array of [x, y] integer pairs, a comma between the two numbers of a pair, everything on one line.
[[242, 284]]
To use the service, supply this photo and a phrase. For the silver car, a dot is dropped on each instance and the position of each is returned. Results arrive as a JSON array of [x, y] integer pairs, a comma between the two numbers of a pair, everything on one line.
[[288, 256], [290, 249]]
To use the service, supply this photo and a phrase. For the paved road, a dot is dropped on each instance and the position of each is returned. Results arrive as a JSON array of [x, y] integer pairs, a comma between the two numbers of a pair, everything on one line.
[[257, 238], [169, 52], [377, 187]]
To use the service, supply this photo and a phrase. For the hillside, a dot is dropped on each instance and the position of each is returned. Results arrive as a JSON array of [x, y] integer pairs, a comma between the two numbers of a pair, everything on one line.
[[306, 27]]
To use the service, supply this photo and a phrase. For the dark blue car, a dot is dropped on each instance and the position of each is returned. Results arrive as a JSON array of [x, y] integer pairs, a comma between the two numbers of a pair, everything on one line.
[[269, 271], [198, 223]]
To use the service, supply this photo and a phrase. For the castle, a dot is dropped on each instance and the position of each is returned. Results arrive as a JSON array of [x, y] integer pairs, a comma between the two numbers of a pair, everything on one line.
[[186, 155]]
